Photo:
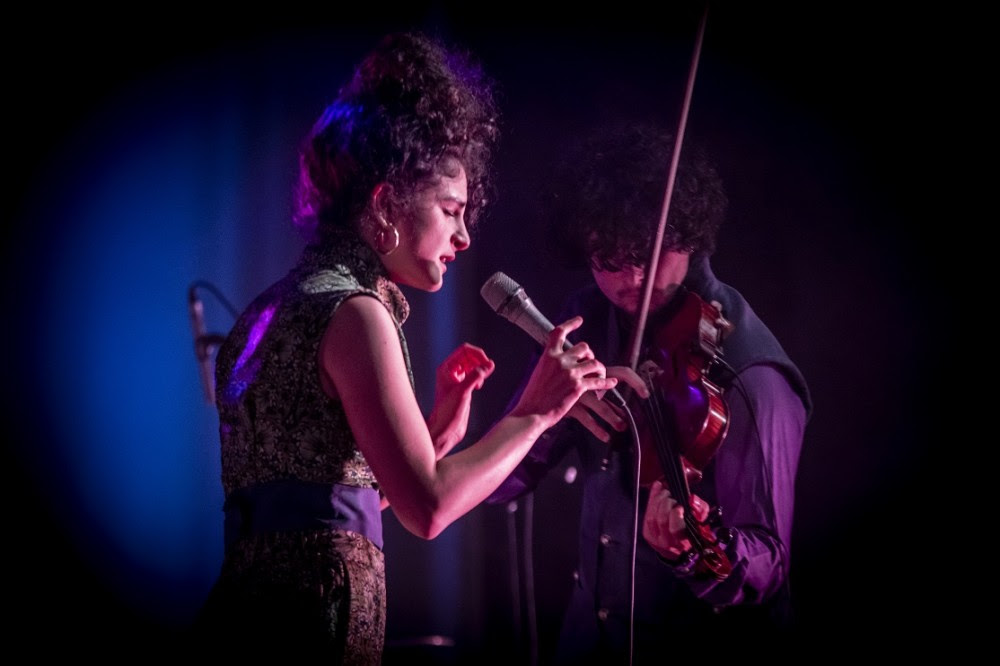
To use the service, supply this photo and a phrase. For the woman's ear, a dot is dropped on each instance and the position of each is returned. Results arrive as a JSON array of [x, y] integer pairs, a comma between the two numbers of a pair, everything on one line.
[[381, 203], [384, 234]]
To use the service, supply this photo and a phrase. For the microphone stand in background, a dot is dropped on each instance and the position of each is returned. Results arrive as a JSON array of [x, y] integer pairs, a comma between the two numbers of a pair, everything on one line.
[[527, 558], [205, 344]]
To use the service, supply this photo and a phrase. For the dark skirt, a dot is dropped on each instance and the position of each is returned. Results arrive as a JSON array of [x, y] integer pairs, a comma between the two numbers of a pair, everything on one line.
[[316, 595]]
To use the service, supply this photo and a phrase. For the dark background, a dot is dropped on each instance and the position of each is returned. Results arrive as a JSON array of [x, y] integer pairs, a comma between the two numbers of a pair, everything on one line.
[[150, 154]]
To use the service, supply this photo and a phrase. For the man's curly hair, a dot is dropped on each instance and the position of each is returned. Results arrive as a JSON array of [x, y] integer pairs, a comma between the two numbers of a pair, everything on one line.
[[609, 195], [411, 108]]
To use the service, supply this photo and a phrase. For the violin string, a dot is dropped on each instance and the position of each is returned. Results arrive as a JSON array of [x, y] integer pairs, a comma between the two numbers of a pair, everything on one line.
[[668, 456], [671, 465], [655, 416]]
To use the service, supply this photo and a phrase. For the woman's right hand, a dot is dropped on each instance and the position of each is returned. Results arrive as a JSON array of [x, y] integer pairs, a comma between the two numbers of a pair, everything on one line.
[[601, 417], [561, 376]]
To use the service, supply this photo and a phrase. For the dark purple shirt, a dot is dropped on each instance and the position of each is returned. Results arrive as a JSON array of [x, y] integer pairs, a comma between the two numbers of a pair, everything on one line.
[[754, 483]]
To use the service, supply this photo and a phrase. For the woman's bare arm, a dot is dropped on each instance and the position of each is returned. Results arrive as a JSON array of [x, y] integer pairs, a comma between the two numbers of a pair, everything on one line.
[[361, 354]]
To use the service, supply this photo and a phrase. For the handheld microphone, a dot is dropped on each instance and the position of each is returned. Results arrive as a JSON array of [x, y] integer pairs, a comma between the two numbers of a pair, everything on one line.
[[201, 344], [508, 299]]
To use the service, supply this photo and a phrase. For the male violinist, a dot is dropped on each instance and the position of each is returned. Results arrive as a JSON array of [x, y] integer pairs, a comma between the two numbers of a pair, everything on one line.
[[608, 224]]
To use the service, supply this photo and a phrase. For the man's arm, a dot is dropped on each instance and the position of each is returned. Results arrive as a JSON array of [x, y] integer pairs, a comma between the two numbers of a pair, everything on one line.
[[755, 470]]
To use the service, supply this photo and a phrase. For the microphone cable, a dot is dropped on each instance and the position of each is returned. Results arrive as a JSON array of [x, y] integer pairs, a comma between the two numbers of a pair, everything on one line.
[[205, 284], [634, 430]]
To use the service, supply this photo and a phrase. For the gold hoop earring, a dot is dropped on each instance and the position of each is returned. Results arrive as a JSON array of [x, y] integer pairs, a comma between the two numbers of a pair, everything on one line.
[[384, 246]]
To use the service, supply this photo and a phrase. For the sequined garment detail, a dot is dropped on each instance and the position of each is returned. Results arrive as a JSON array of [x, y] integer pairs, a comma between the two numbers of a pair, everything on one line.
[[275, 420], [308, 592], [317, 596]]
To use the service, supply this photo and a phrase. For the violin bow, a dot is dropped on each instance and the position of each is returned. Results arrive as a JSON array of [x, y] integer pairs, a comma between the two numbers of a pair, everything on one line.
[[648, 279]]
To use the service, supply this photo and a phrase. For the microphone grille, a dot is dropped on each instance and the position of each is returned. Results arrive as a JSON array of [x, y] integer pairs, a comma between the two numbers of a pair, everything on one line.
[[497, 289]]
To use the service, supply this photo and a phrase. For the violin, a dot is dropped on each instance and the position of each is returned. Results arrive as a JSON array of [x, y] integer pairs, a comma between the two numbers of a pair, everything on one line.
[[685, 419]]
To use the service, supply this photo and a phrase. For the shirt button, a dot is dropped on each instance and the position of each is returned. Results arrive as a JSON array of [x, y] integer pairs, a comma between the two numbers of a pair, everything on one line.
[[576, 575], [605, 539], [602, 614]]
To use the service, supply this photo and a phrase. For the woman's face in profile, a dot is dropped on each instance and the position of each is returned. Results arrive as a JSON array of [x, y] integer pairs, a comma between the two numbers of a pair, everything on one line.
[[431, 232]]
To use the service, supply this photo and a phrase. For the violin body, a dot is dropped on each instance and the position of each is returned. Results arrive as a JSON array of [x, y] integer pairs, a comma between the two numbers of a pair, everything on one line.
[[686, 417]]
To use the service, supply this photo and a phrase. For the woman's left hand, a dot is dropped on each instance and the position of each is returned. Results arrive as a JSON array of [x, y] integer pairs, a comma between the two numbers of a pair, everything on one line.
[[458, 376]]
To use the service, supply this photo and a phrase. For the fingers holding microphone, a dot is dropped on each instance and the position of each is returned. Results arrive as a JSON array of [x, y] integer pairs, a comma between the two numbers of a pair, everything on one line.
[[601, 417], [578, 358], [509, 300], [562, 375]]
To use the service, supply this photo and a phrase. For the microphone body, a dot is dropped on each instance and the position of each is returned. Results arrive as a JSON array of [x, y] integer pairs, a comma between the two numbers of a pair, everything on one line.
[[509, 300]]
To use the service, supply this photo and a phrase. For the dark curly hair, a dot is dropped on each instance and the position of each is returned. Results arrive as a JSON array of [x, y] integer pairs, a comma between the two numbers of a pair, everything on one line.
[[609, 194], [412, 107]]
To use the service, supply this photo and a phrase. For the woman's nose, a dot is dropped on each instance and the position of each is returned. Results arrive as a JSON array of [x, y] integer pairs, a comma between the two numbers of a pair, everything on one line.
[[461, 240]]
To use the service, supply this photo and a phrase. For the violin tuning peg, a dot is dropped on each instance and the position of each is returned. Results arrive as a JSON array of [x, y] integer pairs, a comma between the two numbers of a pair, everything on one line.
[[726, 536], [714, 516]]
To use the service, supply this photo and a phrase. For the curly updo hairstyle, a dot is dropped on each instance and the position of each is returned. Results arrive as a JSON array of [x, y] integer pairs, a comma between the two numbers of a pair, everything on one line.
[[608, 197], [410, 110]]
